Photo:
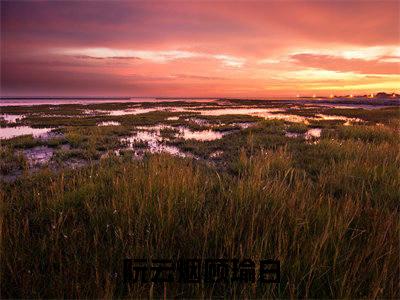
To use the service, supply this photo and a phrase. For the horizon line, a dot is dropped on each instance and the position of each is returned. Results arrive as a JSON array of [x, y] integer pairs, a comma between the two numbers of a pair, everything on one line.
[[197, 97]]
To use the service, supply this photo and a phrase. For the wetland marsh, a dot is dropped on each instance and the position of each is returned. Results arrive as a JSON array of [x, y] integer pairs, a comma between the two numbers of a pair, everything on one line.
[[311, 183]]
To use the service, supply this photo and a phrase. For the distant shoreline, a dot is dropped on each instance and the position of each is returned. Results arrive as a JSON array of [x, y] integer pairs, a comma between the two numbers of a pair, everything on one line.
[[355, 101]]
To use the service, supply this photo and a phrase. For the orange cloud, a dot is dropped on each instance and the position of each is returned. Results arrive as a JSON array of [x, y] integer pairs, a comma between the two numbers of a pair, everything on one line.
[[341, 64]]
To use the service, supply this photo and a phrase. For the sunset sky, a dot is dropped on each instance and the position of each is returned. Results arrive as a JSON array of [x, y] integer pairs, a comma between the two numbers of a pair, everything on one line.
[[199, 48]]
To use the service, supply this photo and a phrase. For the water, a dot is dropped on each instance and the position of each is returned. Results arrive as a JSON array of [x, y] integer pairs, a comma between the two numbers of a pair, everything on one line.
[[216, 154], [109, 123], [154, 143], [207, 110], [149, 138], [38, 155], [293, 135], [273, 113], [11, 118], [130, 111], [203, 135], [71, 100], [314, 133], [354, 106], [340, 118], [199, 122], [10, 132], [266, 113], [140, 110], [154, 132]]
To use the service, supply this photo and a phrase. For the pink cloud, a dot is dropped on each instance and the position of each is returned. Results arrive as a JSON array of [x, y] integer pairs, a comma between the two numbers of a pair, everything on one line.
[[341, 64]]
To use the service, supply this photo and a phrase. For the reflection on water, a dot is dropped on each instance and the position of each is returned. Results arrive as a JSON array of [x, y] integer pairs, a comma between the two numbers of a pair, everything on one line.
[[293, 134], [59, 101], [130, 111], [245, 125], [239, 111], [314, 133], [187, 134], [10, 132], [180, 132], [11, 118], [262, 112], [266, 113], [216, 154], [203, 135], [274, 113], [153, 143], [38, 155], [353, 106], [151, 139], [140, 110], [290, 118], [109, 123], [198, 121], [340, 118]]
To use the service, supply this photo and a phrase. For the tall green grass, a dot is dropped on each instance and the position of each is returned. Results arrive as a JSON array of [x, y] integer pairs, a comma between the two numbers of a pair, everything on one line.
[[334, 226]]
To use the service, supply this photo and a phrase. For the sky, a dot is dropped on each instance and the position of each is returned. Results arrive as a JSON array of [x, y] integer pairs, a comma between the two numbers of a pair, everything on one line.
[[199, 48]]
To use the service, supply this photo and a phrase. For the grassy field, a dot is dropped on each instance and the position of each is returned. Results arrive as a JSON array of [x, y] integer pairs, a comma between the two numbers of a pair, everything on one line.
[[327, 209]]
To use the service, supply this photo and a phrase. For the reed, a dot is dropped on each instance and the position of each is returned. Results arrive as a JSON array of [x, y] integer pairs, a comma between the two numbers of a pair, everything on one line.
[[335, 231]]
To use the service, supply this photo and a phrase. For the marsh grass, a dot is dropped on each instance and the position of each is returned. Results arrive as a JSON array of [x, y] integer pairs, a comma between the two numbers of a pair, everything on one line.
[[382, 115], [369, 134], [325, 123], [138, 144], [297, 128], [169, 133], [89, 154], [79, 225], [11, 161], [23, 142], [226, 127]]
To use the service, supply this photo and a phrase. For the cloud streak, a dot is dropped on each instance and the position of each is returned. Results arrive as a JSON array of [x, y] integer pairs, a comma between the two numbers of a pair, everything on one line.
[[162, 56], [380, 65]]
